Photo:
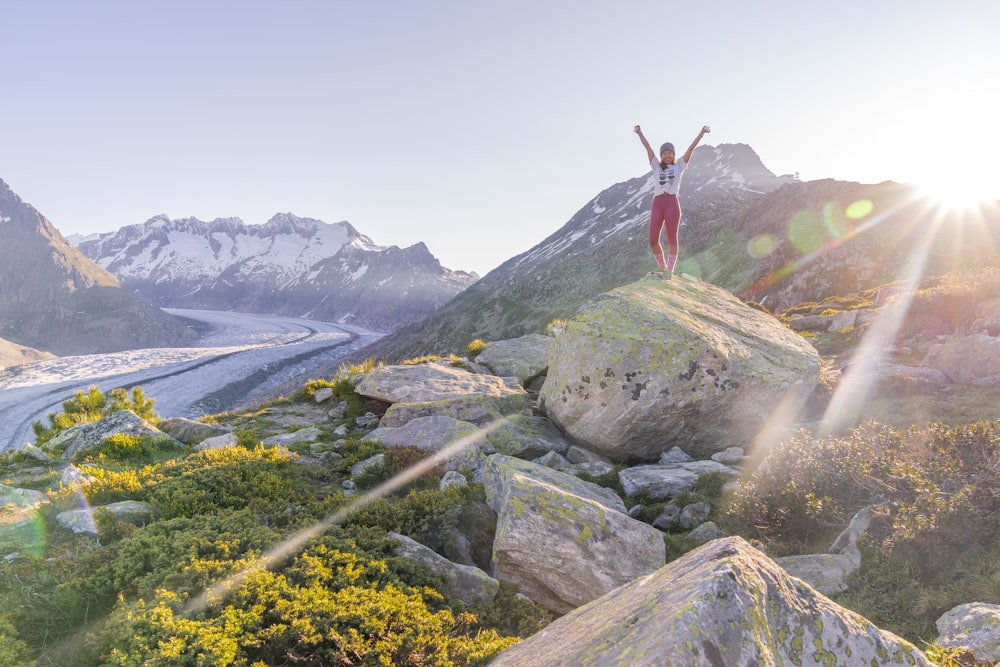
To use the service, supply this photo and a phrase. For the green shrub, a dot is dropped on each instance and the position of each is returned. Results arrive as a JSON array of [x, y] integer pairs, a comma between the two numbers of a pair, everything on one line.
[[366, 366], [933, 539], [554, 326], [512, 614], [797, 500], [92, 406], [396, 460], [13, 651], [308, 390], [428, 516], [133, 449], [326, 608]]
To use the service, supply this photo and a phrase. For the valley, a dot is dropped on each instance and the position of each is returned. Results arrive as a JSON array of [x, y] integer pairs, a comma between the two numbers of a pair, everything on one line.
[[237, 360]]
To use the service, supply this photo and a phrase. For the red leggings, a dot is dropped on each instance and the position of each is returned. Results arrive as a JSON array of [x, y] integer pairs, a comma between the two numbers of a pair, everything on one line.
[[666, 212]]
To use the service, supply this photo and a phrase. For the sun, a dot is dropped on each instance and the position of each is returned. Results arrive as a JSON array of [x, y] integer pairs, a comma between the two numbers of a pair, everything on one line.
[[959, 191]]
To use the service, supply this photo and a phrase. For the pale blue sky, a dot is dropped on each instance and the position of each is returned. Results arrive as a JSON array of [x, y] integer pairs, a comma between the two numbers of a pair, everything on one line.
[[477, 127]]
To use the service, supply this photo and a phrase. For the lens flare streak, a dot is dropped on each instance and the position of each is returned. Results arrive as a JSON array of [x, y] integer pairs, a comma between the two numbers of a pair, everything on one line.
[[278, 554]]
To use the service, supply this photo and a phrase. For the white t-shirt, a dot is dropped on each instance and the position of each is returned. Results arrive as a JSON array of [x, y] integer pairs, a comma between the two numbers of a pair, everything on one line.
[[667, 179]]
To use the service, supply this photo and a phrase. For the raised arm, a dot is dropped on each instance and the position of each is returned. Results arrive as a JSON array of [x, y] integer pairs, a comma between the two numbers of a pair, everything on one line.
[[650, 155], [687, 156]]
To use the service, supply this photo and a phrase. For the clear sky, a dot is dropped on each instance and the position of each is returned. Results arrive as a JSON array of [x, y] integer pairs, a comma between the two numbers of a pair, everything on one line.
[[477, 127]]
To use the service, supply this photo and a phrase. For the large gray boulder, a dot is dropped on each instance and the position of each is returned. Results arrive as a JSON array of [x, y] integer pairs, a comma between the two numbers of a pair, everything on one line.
[[724, 603], [463, 582], [656, 364], [563, 550], [190, 431], [971, 360], [525, 358], [974, 626], [659, 481], [419, 383], [458, 443]]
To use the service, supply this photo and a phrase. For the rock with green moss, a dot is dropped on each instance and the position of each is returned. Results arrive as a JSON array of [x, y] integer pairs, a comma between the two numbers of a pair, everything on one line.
[[18, 505], [476, 408], [725, 603], [501, 468], [974, 626], [560, 549], [527, 436], [656, 364], [456, 442], [525, 358], [462, 582], [190, 431], [419, 383], [74, 442]]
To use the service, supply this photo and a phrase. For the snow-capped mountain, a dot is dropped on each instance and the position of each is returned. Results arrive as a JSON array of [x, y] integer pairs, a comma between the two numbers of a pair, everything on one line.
[[288, 266]]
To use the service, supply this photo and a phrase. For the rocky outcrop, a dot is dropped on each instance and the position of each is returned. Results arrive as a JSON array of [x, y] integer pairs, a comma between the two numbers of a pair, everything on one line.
[[435, 381], [55, 299], [525, 358], [189, 431], [724, 603], [463, 582], [971, 359], [75, 441], [975, 627], [559, 548], [657, 363]]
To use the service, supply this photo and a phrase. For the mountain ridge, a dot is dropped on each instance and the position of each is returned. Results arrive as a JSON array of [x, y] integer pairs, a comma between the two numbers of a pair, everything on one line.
[[288, 266], [771, 239], [54, 299]]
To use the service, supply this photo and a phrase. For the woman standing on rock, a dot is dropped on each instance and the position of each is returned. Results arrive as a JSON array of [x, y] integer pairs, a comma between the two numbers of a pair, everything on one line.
[[666, 210]]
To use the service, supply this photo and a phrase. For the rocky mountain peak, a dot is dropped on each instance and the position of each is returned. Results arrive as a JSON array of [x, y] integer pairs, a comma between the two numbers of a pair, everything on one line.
[[54, 298], [288, 266]]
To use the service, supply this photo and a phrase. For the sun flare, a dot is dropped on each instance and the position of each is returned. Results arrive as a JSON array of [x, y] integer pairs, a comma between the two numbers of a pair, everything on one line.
[[958, 191]]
